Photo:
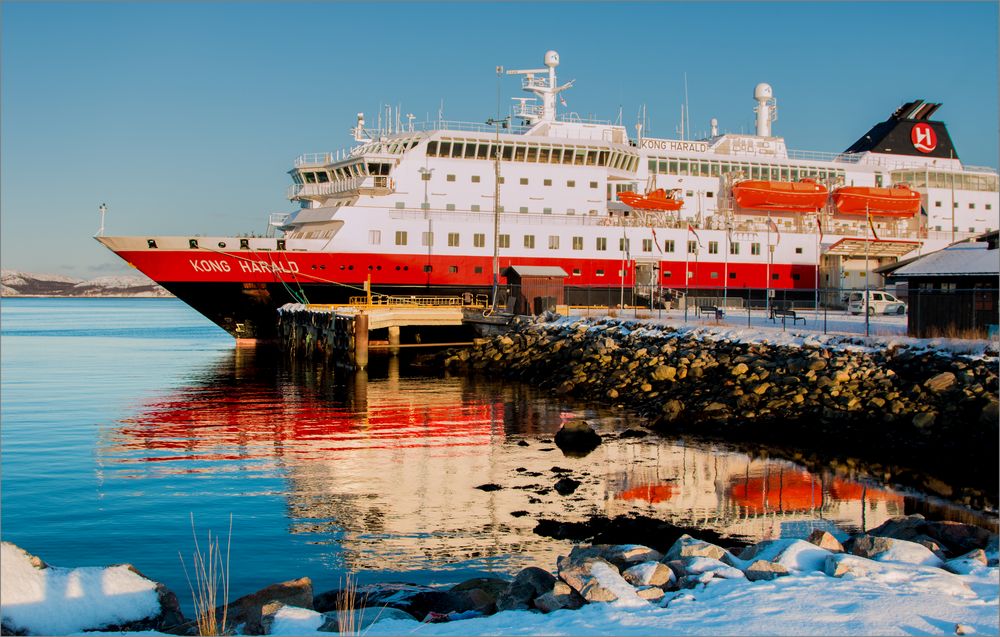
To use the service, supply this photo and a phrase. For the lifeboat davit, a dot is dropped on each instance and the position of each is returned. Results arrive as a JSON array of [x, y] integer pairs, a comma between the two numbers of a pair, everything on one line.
[[804, 195], [898, 201], [658, 199]]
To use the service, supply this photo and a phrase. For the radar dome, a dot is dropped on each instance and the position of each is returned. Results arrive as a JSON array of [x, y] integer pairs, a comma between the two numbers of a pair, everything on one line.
[[762, 91], [551, 58]]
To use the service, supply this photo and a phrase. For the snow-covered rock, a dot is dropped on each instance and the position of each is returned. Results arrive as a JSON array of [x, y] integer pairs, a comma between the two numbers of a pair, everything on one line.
[[887, 549]]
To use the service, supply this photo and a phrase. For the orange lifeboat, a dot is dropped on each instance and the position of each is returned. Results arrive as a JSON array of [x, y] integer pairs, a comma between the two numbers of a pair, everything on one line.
[[898, 201], [658, 199], [803, 195]]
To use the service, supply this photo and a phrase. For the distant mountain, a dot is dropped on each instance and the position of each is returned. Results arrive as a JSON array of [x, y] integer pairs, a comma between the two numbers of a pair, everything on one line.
[[14, 283]]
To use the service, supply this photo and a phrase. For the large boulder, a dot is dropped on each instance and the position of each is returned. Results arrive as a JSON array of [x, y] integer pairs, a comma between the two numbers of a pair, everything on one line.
[[248, 610], [887, 549], [528, 584], [825, 540], [576, 437], [562, 596], [792, 554], [956, 538], [764, 570], [36, 598], [650, 574], [687, 546], [481, 593]]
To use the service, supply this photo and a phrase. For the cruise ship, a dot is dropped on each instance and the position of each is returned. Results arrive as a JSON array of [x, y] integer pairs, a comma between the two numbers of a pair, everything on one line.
[[449, 208]]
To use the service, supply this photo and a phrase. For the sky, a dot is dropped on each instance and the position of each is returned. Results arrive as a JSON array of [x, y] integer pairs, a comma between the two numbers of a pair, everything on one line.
[[185, 117]]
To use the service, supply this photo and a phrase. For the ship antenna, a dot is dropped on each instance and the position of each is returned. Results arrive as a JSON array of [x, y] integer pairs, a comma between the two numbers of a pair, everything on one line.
[[104, 209], [687, 108]]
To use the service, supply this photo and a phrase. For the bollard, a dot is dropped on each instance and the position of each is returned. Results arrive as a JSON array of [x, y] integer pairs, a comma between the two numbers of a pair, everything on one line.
[[394, 340], [361, 340]]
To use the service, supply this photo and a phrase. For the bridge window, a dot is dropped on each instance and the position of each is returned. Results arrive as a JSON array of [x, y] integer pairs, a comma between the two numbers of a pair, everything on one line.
[[444, 149], [310, 178], [456, 150], [470, 150]]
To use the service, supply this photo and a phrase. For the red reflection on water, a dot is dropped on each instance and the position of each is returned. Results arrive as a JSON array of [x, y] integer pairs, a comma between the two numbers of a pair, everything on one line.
[[847, 490], [797, 490], [652, 493], [259, 421]]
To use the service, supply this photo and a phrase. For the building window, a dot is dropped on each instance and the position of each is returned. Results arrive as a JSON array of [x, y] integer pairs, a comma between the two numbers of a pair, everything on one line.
[[571, 183], [374, 237], [713, 247], [504, 241], [692, 247], [401, 237], [450, 178], [734, 248], [798, 250], [647, 245], [475, 179], [668, 245], [427, 239], [755, 248], [602, 243], [553, 242], [546, 182], [578, 243], [529, 241], [453, 239], [593, 184], [479, 240]]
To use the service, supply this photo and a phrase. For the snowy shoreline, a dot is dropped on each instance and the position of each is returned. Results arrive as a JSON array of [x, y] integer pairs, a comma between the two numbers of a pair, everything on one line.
[[944, 579]]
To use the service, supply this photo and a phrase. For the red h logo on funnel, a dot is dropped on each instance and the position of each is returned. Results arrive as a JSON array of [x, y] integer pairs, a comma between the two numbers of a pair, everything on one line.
[[923, 137]]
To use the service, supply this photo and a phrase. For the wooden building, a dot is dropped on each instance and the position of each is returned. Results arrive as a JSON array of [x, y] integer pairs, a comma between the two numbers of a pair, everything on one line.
[[533, 289], [954, 291]]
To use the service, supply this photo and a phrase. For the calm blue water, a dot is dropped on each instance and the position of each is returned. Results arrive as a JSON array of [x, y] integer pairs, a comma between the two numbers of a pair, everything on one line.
[[122, 418]]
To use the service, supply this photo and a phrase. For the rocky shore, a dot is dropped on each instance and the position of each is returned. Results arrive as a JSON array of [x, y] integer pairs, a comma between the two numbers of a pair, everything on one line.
[[897, 406], [938, 554]]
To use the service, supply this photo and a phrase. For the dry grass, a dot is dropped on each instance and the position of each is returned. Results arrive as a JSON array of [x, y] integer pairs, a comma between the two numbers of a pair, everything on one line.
[[349, 607], [210, 574]]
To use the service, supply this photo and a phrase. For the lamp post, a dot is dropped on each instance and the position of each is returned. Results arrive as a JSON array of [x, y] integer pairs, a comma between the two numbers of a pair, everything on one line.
[[497, 123], [104, 209]]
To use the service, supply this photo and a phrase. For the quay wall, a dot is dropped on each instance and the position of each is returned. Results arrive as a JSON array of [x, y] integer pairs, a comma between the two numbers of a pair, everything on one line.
[[910, 408]]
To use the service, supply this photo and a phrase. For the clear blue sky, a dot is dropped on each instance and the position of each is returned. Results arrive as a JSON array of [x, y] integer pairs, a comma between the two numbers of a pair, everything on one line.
[[185, 117]]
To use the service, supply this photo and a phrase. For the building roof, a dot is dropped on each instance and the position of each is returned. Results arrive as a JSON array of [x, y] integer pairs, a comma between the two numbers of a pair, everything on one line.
[[535, 270], [959, 259]]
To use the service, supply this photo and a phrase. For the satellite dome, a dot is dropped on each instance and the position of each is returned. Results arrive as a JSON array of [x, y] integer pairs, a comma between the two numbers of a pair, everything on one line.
[[762, 91], [551, 58]]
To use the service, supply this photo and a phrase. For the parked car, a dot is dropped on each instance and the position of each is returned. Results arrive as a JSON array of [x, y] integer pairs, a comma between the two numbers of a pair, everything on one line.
[[877, 303]]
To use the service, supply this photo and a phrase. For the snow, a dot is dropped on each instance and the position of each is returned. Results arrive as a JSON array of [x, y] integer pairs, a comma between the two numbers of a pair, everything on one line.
[[795, 555], [290, 620], [116, 282], [909, 552], [56, 601], [610, 579], [965, 258], [15, 278]]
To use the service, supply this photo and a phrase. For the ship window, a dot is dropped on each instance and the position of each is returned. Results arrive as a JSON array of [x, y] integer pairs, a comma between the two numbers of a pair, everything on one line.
[[374, 237], [775, 276], [483, 151], [692, 247], [663, 168], [553, 242], [427, 239], [571, 183], [579, 156], [503, 179], [546, 211], [400, 204], [401, 237], [151, 243], [567, 157], [667, 274], [989, 206], [651, 166], [470, 151], [571, 211], [623, 245], [532, 153], [444, 149], [709, 194], [689, 193], [576, 271], [426, 175], [524, 181], [794, 174], [475, 179], [937, 204], [310, 178], [453, 239], [713, 247], [529, 241], [546, 182], [449, 206], [449, 178], [519, 153], [428, 268], [647, 245], [475, 207], [602, 243], [798, 250], [683, 168], [543, 155], [504, 240], [593, 184], [734, 248], [713, 275], [193, 243], [578, 243], [673, 168], [453, 269], [478, 269], [954, 204], [425, 206], [668, 245], [479, 239], [972, 206], [456, 150], [599, 273], [244, 244], [523, 209], [508, 153]]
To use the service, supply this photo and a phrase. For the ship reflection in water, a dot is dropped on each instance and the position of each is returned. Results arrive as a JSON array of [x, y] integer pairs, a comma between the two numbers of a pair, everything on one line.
[[384, 470]]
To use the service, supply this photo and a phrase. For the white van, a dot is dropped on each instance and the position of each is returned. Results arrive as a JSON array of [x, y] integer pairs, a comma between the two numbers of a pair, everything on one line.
[[878, 303]]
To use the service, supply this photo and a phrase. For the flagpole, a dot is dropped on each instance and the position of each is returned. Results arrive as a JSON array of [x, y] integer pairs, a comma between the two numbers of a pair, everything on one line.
[[819, 229], [866, 305], [725, 270], [687, 270], [767, 277]]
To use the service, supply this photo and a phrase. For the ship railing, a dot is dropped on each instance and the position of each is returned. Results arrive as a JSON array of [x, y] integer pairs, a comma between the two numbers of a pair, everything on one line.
[[298, 191], [381, 300]]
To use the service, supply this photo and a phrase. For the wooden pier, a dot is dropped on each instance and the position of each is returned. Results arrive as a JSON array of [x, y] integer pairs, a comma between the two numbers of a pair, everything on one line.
[[340, 334]]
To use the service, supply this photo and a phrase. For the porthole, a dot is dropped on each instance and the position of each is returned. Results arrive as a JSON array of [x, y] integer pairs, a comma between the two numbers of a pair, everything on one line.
[[222, 244], [342, 267], [397, 268], [350, 267]]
